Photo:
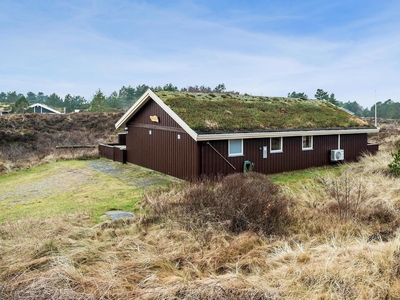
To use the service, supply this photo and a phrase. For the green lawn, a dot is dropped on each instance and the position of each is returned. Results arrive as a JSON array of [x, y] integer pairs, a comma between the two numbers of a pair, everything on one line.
[[70, 186], [296, 176], [301, 182]]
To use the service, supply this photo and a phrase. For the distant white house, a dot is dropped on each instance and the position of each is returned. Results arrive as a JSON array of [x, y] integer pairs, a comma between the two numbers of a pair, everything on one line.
[[43, 109]]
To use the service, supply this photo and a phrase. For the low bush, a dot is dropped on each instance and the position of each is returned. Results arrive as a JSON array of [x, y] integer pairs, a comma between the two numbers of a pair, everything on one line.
[[395, 164], [238, 202], [348, 193]]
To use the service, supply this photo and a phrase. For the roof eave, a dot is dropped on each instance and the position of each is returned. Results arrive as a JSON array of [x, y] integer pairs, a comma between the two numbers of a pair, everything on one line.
[[287, 133]]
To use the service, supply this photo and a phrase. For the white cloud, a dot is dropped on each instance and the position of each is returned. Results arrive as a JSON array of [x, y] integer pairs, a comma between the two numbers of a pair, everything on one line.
[[97, 44]]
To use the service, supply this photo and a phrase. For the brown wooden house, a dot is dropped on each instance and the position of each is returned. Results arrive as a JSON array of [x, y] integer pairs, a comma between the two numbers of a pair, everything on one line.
[[190, 134]]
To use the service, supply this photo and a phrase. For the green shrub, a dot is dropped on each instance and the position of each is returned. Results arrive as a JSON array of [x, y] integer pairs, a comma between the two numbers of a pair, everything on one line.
[[395, 164]]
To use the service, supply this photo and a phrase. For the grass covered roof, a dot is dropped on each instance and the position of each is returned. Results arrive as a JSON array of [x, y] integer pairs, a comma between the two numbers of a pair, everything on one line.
[[223, 112]]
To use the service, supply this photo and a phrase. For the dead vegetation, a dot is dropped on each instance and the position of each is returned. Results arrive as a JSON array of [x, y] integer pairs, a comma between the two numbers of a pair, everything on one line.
[[28, 140], [335, 236], [236, 203]]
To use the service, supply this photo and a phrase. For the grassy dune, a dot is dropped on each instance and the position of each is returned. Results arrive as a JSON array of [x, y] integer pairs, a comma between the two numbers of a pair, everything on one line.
[[332, 243]]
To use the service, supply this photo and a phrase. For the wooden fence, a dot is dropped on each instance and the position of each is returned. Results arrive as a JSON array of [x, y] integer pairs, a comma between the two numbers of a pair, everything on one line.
[[115, 152]]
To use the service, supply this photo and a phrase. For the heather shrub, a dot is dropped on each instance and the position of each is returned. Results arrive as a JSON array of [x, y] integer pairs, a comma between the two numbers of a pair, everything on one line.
[[379, 213], [238, 202], [27, 140]]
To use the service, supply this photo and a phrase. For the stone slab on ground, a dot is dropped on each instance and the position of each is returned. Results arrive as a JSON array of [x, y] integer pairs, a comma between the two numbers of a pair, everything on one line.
[[117, 214]]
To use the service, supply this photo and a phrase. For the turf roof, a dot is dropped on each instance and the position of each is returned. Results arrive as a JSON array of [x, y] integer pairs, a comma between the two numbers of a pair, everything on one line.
[[223, 112]]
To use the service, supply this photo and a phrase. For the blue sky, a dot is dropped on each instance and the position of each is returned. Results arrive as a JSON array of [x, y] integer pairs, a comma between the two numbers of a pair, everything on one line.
[[349, 48]]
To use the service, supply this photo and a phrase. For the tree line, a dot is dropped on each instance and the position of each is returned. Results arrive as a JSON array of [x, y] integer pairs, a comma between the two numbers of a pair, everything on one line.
[[386, 110], [127, 95], [123, 99]]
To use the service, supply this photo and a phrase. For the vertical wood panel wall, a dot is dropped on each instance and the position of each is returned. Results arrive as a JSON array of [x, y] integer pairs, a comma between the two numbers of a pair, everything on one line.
[[161, 150], [292, 157], [354, 145]]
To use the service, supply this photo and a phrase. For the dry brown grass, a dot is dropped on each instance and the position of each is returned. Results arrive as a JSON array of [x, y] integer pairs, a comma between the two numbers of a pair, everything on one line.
[[319, 256], [69, 258]]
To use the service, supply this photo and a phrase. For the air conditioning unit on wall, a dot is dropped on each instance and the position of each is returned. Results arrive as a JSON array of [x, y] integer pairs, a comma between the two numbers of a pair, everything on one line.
[[337, 154]]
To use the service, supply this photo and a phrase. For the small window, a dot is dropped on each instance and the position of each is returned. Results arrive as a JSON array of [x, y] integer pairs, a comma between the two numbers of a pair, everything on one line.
[[276, 145], [307, 142], [235, 148]]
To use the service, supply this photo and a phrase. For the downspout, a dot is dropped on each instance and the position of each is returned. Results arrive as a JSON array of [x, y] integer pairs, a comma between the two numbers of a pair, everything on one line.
[[338, 141], [201, 159]]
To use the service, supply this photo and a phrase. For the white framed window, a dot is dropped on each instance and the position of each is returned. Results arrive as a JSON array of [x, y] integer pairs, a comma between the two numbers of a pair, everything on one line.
[[307, 142], [276, 145], [235, 148]]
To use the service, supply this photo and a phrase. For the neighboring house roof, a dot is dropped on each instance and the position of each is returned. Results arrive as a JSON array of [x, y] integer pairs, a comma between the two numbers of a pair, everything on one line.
[[45, 107], [207, 116]]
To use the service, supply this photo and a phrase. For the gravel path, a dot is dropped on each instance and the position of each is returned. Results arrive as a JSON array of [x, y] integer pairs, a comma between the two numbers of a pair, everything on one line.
[[109, 168], [133, 175]]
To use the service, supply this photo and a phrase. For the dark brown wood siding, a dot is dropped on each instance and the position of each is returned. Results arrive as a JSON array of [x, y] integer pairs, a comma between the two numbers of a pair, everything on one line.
[[122, 138], [120, 155], [373, 148], [106, 151], [293, 156], [163, 146], [152, 109], [354, 145], [113, 152]]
